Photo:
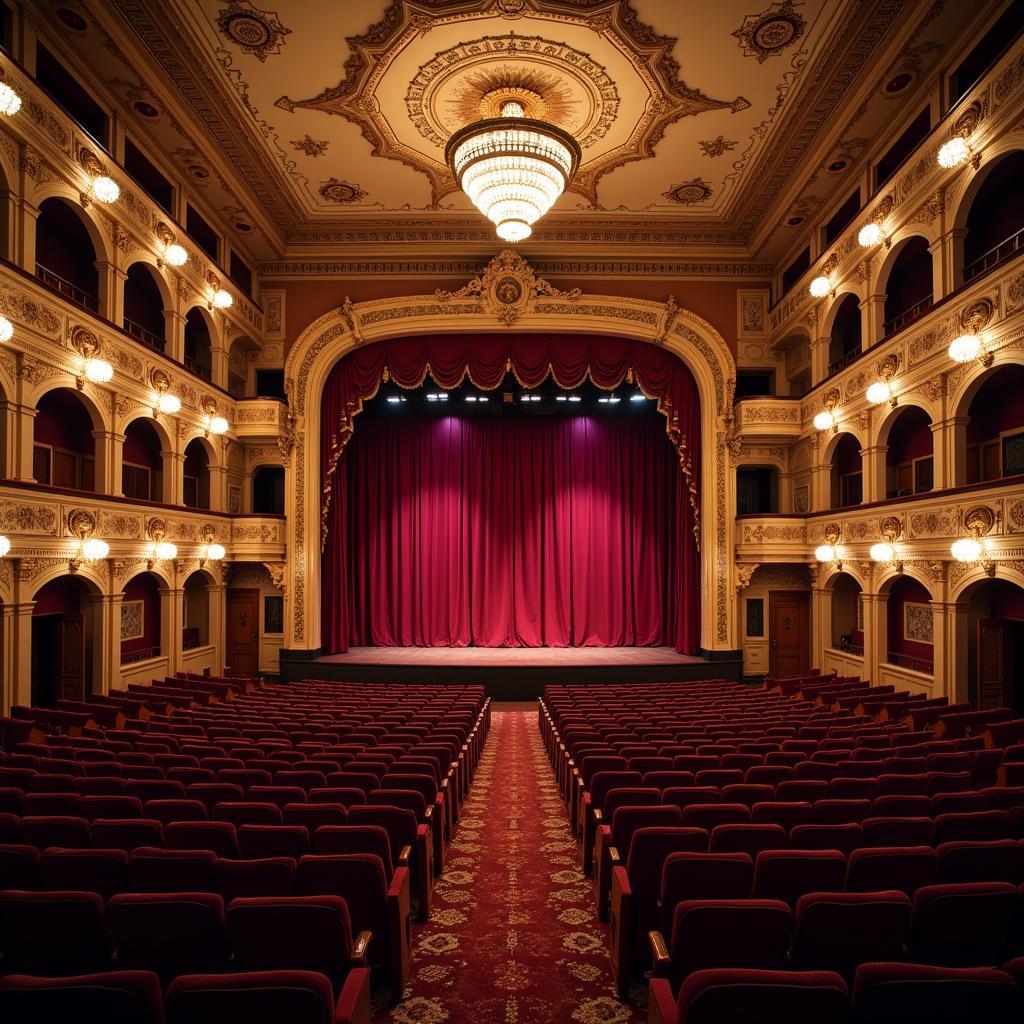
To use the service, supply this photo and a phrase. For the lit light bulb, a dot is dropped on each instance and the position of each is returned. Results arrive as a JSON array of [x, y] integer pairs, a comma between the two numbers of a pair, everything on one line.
[[883, 552], [824, 420], [222, 299], [965, 349], [10, 101], [175, 255], [168, 403], [966, 549], [218, 425], [215, 552], [820, 287], [93, 550], [5, 546], [105, 189], [954, 152], [825, 553], [6, 329], [879, 392], [165, 551], [99, 371], [869, 235]]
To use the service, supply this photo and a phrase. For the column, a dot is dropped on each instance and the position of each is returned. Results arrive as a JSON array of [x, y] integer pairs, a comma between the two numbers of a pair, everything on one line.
[[247, 493], [218, 487], [105, 613], [116, 462], [873, 470], [952, 437], [10, 205], [867, 312], [111, 291], [942, 283], [174, 472], [952, 257], [819, 359], [107, 480], [17, 655], [24, 251], [876, 608], [174, 333], [219, 363], [873, 325], [941, 476], [956, 625], [821, 622], [216, 623], [20, 444], [171, 606]]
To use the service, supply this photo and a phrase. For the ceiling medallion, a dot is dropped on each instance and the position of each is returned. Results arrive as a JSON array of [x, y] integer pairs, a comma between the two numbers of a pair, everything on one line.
[[689, 193], [513, 167], [256, 32], [767, 34], [409, 97], [335, 191]]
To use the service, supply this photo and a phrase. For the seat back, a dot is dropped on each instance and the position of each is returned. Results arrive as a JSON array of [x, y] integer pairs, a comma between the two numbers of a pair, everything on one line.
[[273, 840], [963, 925], [53, 933], [266, 876], [750, 839], [342, 839], [151, 869], [695, 876], [787, 875], [114, 997], [905, 868], [104, 872], [218, 836]]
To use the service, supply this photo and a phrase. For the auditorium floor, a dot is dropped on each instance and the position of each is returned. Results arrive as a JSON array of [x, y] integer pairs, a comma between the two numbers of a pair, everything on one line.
[[513, 938]]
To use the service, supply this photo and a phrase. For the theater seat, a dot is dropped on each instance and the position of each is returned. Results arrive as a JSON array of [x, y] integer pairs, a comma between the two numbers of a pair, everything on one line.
[[104, 872], [963, 925], [787, 875], [906, 868], [1000, 860], [152, 869], [19, 867], [694, 876], [266, 876], [115, 997]]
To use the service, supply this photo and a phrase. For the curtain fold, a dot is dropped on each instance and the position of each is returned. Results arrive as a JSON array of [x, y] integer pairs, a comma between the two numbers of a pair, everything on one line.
[[547, 531]]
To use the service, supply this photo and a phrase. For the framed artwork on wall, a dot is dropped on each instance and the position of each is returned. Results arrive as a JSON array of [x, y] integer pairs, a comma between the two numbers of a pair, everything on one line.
[[132, 621], [273, 614], [755, 616], [917, 623]]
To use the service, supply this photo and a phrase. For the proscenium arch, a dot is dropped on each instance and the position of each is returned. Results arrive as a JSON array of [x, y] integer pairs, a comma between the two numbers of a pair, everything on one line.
[[327, 340]]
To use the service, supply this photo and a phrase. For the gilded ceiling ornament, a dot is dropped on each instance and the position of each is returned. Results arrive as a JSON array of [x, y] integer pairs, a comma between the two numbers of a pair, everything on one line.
[[310, 146], [336, 191], [256, 32], [717, 146], [689, 193], [767, 34]]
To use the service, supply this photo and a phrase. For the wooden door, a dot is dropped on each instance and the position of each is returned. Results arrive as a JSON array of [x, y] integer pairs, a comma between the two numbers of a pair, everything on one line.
[[995, 669], [71, 662], [789, 633], [243, 632]]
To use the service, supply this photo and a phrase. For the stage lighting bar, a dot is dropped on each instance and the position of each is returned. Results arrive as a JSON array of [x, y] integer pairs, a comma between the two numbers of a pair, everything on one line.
[[437, 396], [395, 399], [609, 400], [575, 398], [638, 397]]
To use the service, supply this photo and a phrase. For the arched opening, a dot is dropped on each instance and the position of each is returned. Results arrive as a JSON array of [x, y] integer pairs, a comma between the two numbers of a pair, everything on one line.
[[65, 255], [909, 466], [63, 446], [195, 617], [909, 627], [198, 350], [63, 638], [995, 427], [908, 290], [268, 490], [847, 615], [144, 306], [995, 645], [847, 474], [196, 488], [995, 221], [845, 342], [140, 619], [757, 490], [242, 349], [142, 465], [797, 351]]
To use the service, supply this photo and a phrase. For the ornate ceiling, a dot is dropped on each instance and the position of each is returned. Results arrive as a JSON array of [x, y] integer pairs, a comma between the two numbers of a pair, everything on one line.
[[707, 125]]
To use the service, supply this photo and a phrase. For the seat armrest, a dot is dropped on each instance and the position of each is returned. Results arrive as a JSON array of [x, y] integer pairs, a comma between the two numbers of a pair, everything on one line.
[[596, 812], [353, 1005], [662, 1004], [429, 813], [404, 855], [620, 879], [399, 882], [613, 857], [360, 947], [660, 959]]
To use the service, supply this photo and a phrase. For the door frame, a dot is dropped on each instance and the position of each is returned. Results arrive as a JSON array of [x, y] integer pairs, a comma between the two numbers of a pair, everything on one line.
[[804, 597], [256, 595]]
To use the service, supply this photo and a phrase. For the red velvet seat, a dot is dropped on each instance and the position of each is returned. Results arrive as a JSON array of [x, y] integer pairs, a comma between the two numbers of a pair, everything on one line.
[[342, 839], [691, 876], [787, 875], [104, 872], [213, 793], [315, 815], [751, 839], [784, 813], [257, 877], [151, 869], [53, 933], [111, 806], [963, 925], [905, 868], [280, 795], [688, 796], [841, 812], [218, 836], [43, 831], [593, 801], [333, 796], [403, 830], [844, 838], [999, 860], [126, 833], [113, 997], [708, 816], [19, 867], [273, 841], [169, 811], [63, 805], [247, 813], [974, 826], [897, 831]]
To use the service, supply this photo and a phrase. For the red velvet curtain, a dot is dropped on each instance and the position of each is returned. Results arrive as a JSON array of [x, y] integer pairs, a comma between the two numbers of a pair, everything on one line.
[[560, 531]]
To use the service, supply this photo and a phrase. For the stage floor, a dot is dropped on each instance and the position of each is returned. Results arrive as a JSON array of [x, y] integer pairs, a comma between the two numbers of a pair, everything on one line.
[[509, 673], [511, 657]]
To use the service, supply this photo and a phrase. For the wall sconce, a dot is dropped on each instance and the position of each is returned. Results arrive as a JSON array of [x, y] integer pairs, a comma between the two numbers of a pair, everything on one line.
[[10, 101], [6, 329], [162, 550], [219, 298], [885, 551], [882, 391], [102, 187], [5, 546], [82, 525], [829, 552], [977, 521], [94, 369], [211, 551], [214, 424], [164, 402], [174, 255], [970, 346], [820, 286], [957, 150], [871, 233], [826, 419]]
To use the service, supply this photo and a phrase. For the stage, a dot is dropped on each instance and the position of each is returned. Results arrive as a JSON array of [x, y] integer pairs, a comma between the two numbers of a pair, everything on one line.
[[509, 673]]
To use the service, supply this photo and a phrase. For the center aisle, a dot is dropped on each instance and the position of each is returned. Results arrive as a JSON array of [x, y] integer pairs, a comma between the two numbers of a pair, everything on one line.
[[513, 937]]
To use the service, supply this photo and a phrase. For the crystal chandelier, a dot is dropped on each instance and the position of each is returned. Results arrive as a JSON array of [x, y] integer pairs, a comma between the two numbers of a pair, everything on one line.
[[512, 167]]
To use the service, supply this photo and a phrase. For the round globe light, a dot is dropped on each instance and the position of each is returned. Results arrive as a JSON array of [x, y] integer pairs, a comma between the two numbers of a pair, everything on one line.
[[879, 392], [954, 152], [93, 550], [169, 403], [175, 255], [5, 546], [218, 425], [105, 189], [10, 101], [966, 549], [99, 371], [824, 420], [882, 552], [6, 329], [820, 287], [215, 552], [869, 235], [165, 551], [825, 553], [965, 349], [222, 299]]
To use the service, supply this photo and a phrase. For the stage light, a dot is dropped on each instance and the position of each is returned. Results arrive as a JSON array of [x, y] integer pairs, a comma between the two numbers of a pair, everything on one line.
[[824, 420], [614, 399], [93, 550], [879, 392], [966, 549], [443, 396], [603, 400], [470, 398], [431, 397], [826, 553], [535, 398], [222, 299], [524, 398], [965, 349], [99, 371], [393, 399], [165, 551], [575, 398], [483, 398], [870, 234], [883, 552], [218, 425], [10, 101], [638, 397], [175, 255], [105, 189], [561, 398]]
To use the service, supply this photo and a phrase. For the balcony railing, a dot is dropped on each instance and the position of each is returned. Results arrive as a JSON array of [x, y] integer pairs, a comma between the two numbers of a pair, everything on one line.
[[143, 654], [925, 665], [908, 316], [65, 288], [843, 361], [144, 335], [193, 366], [1003, 251]]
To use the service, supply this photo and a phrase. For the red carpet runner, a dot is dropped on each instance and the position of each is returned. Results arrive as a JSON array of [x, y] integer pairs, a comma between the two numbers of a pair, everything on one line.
[[513, 938]]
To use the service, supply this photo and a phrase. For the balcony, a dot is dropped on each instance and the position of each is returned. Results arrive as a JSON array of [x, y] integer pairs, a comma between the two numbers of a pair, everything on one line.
[[67, 290], [140, 333], [1005, 250], [768, 418]]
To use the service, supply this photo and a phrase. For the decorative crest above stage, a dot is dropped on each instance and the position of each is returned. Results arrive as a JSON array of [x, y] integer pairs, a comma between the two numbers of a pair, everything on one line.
[[508, 287]]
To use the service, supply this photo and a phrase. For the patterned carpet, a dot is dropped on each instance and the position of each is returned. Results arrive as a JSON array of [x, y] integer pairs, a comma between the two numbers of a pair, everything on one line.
[[513, 937]]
